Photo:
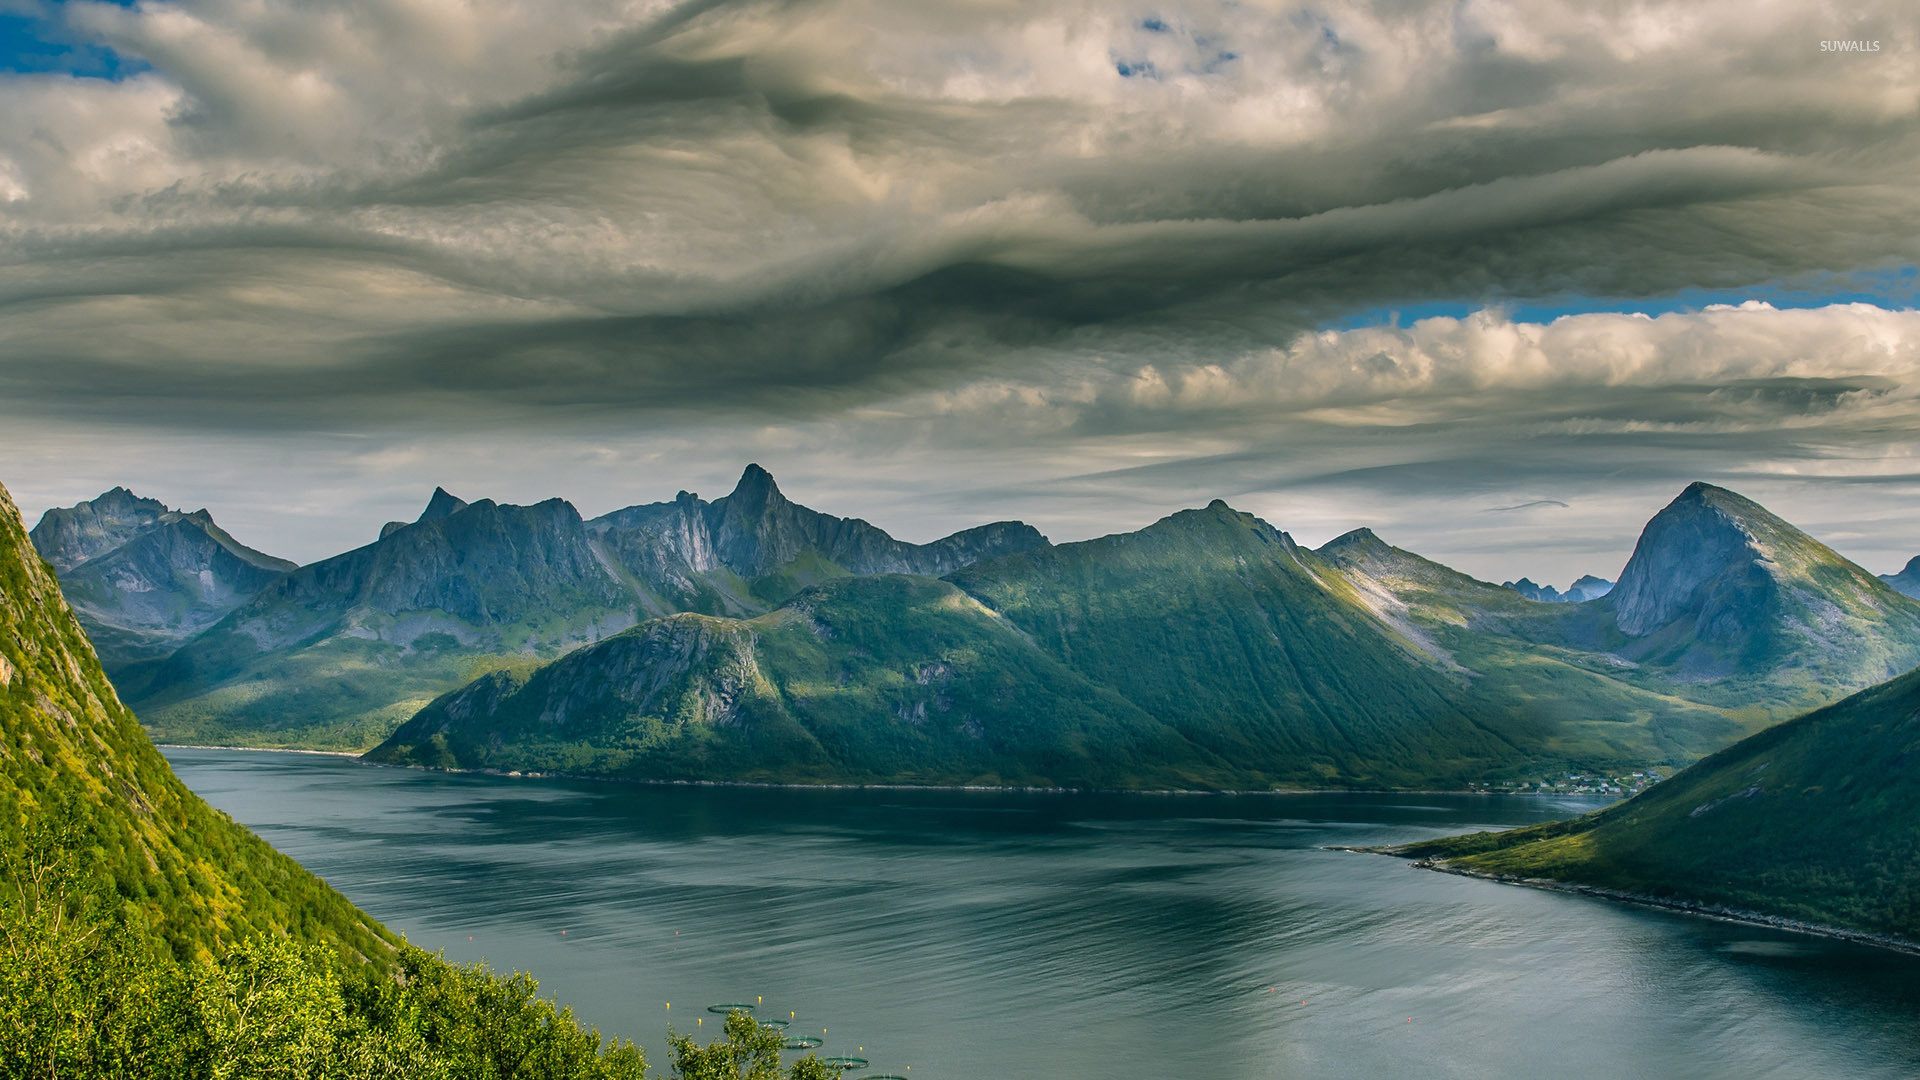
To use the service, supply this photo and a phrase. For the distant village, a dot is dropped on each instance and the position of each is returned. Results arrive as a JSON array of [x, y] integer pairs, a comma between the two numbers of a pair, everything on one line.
[[1571, 783]]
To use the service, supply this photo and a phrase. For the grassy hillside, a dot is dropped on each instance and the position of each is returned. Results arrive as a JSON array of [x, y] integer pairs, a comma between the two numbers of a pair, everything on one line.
[[882, 678], [1817, 819], [71, 749], [1569, 707], [144, 934], [1256, 650]]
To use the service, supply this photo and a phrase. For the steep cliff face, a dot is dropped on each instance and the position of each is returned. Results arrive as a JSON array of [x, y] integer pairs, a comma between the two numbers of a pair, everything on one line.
[[1701, 555], [1718, 588], [68, 747], [754, 547], [148, 578]]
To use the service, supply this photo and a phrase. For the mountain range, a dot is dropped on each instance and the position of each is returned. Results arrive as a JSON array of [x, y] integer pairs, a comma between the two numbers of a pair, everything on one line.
[[144, 578], [1359, 664], [754, 638], [1586, 587]]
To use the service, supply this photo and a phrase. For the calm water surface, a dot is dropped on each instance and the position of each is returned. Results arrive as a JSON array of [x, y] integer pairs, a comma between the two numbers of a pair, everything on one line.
[[976, 935]]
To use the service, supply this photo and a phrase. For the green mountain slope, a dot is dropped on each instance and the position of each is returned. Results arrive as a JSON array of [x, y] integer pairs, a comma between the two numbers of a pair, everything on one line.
[[1207, 650], [144, 934], [72, 749], [1816, 819], [337, 654], [1251, 647], [875, 678], [1567, 707]]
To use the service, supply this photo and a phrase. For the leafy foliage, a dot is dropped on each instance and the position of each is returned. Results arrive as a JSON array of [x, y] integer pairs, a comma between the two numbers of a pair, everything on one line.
[[85, 990], [747, 1050]]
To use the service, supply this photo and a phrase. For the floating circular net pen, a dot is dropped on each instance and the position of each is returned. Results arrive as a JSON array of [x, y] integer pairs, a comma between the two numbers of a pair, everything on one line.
[[880, 1076], [730, 1006], [775, 1024], [844, 1063], [804, 1042]]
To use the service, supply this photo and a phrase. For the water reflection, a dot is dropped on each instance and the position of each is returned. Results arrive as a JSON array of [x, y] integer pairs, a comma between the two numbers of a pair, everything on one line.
[[973, 934]]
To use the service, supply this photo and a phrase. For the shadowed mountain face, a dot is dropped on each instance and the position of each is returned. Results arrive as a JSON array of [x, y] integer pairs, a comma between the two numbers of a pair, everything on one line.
[[338, 653], [1817, 818], [1907, 581], [144, 578], [1719, 590], [72, 749]]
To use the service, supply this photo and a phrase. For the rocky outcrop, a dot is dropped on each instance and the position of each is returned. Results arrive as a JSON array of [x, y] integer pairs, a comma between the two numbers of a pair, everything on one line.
[[67, 537], [756, 531], [145, 578], [1719, 587]]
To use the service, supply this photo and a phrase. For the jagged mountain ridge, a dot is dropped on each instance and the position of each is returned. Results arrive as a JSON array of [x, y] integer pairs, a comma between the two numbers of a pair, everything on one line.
[[1584, 588], [346, 648], [144, 578], [689, 551], [1247, 660]]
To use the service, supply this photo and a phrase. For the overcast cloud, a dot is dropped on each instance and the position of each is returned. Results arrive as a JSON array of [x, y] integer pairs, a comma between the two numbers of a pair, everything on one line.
[[938, 262]]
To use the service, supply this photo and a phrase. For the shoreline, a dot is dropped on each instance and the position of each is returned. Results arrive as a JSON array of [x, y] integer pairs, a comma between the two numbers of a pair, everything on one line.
[[256, 749], [1717, 912], [843, 786]]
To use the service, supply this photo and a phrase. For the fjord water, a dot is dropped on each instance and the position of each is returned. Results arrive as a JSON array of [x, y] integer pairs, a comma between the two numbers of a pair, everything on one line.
[[981, 934]]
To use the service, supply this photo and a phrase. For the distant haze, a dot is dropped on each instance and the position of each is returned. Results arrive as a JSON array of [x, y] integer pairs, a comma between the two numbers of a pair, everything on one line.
[[1495, 280]]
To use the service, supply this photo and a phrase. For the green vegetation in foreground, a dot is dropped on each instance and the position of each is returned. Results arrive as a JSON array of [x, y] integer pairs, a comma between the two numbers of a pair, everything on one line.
[[1816, 819], [88, 989], [144, 934]]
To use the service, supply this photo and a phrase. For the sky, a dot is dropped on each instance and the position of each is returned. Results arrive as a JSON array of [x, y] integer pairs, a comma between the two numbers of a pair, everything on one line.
[[1494, 279]]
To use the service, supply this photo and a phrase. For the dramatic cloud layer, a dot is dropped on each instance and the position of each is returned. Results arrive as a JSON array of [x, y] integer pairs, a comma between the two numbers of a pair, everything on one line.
[[1064, 259]]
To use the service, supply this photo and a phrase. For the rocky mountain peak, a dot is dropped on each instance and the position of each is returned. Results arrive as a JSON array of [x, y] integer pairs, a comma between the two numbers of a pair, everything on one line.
[[443, 504], [1700, 536], [69, 536], [756, 492]]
